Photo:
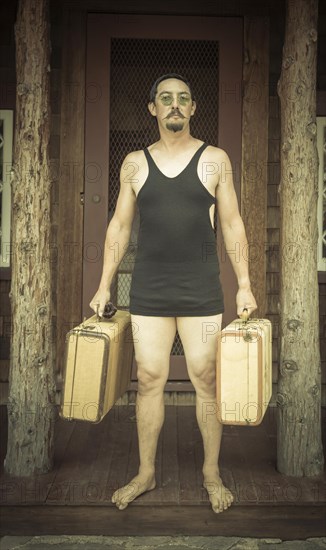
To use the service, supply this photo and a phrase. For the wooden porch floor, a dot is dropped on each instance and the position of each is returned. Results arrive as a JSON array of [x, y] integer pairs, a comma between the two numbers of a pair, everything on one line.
[[92, 461]]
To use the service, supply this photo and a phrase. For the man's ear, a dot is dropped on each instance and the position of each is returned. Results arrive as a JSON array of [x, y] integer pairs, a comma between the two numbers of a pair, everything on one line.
[[193, 108], [152, 108]]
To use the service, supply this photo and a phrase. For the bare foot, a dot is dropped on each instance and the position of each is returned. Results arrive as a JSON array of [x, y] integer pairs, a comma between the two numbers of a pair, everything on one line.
[[221, 497], [138, 485]]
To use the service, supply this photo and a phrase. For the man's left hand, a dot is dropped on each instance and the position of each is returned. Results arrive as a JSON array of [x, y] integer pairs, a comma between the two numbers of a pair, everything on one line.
[[245, 300]]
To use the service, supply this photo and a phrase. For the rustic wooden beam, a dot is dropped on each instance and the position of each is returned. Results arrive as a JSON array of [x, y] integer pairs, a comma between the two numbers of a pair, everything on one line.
[[31, 380], [300, 451], [281, 521], [255, 151], [71, 181]]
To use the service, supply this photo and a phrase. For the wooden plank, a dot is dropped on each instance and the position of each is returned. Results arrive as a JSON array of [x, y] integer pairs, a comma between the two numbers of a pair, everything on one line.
[[255, 150], [71, 483], [87, 464], [285, 522], [4, 435], [4, 391], [133, 461], [5, 307], [100, 490], [166, 464], [231, 8], [260, 454], [243, 488], [35, 489], [274, 154], [170, 466], [273, 283], [231, 464], [118, 473], [198, 459], [190, 478], [250, 454], [71, 184], [156, 495], [230, 460], [4, 370], [273, 197]]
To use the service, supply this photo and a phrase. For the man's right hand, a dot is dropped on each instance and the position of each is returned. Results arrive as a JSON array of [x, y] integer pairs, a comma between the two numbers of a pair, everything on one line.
[[101, 298]]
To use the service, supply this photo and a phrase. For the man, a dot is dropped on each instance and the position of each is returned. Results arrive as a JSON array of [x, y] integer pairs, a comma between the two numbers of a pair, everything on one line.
[[175, 283]]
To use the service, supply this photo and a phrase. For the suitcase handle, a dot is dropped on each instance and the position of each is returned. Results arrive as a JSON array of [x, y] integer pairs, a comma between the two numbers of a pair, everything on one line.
[[245, 315], [109, 311]]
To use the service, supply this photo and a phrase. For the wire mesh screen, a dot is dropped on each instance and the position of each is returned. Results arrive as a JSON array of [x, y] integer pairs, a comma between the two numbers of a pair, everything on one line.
[[135, 64]]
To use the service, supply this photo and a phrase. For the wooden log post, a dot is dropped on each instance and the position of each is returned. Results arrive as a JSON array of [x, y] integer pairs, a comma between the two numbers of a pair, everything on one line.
[[299, 451], [31, 409]]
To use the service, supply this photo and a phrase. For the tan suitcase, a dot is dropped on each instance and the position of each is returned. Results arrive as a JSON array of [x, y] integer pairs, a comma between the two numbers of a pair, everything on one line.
[[97, 369], [244, 371]]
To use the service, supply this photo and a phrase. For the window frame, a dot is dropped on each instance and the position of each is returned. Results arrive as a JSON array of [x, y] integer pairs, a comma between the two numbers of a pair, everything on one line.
[[321, 147], [7, 115]]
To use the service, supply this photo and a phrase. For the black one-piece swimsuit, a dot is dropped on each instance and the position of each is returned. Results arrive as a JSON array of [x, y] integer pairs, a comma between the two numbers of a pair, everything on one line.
[[176, 271]]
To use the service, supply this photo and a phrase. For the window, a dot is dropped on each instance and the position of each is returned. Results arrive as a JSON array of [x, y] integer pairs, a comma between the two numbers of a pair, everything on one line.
[[6, 133], [321, 145]]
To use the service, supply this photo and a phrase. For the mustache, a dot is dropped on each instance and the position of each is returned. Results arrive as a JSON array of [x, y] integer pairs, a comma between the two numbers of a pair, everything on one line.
[[175, 112]]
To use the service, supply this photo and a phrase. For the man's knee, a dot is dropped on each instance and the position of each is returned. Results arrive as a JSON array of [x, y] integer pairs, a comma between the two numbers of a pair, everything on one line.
[[152, 374], [202, 371]]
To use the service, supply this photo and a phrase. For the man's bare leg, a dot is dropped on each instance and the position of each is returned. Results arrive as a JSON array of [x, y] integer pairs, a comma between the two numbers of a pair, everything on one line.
[[153, 340], [199, 340]]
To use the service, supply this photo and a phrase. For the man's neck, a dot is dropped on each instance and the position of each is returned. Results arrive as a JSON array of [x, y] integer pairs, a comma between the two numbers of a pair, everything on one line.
[[175, 141]]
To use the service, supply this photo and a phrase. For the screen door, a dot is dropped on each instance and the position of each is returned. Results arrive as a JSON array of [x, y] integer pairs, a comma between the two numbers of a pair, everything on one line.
[[125, 56]]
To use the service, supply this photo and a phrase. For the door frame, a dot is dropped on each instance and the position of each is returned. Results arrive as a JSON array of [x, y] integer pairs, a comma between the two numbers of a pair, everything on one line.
[[100, 29]]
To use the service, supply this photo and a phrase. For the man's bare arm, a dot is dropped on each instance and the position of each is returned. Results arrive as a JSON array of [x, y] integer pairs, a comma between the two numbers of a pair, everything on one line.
[[117, 235], [233, 231]]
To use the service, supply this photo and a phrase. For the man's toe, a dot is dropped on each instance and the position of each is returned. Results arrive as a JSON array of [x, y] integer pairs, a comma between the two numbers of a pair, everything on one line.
[[218, 507]]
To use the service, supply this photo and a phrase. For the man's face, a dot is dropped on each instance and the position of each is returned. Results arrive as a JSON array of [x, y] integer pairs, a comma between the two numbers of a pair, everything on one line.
[[173, 105]]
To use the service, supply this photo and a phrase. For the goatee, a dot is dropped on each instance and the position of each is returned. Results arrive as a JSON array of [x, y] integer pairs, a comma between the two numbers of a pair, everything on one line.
[[174, 126]]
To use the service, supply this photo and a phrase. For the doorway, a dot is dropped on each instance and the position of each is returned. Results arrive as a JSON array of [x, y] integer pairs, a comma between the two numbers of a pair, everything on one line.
[[125, 55]]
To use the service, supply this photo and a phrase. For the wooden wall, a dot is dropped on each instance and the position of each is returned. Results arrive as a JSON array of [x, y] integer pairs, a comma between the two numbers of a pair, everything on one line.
[[273, 232], [274, 10]]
